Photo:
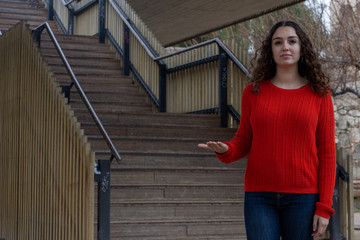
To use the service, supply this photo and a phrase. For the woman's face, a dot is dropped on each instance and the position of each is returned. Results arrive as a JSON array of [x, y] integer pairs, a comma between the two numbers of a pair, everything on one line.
[[285, 46]]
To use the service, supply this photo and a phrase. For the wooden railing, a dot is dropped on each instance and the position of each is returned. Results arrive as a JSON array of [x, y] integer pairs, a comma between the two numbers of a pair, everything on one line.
[[188, 89], [345, 196], [46, 166]]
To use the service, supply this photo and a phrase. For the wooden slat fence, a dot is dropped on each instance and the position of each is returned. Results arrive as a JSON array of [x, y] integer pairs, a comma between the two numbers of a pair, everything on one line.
[[188, 90], [346, 194], [46, 166]]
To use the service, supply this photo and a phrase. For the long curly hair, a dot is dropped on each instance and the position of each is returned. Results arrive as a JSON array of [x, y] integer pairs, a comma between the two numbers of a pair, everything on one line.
[[308, 66]]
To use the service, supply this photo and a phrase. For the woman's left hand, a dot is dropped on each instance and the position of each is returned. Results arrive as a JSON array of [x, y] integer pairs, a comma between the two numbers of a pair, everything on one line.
[[319, 225]]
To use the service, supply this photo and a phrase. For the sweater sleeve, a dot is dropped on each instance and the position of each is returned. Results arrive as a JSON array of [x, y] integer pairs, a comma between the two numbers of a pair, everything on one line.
[[240, 145], [325, 142]]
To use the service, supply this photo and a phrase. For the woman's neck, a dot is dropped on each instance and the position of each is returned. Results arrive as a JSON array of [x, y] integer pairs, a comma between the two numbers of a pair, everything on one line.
[[288, 78]]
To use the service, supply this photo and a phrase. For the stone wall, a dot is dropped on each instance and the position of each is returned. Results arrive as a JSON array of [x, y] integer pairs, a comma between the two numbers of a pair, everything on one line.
[[347, 130]]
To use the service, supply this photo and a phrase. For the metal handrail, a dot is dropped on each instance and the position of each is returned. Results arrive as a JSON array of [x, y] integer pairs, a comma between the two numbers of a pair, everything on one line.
[[67, 3], [93, 114], [158, 58], [125, 20]]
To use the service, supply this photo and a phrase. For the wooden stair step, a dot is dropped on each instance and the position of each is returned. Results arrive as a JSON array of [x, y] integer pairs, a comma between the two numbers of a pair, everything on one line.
[[175, 211], [169, 191], [20, 16], [76, 46], [155, 129], [86, 70], [78, 54], [122, 87], [112, 81], [84, 62], [121, 106], [121, 96], [148, 143], [115, 116], [15, 1], [13, 4], [24, 11], [185, 229], [197, 161], [177, 176], [71, 38]]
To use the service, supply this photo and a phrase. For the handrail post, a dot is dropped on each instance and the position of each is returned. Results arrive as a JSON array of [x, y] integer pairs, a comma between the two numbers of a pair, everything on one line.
[[126, 59], [162, 86], [37, 34], [102, 21], [223, 106], [103, 179], [334, 227], [51, 10], [70, 21]]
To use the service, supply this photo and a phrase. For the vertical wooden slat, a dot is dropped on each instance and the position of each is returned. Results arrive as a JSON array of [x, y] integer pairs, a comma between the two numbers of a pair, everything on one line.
[[350, 198]]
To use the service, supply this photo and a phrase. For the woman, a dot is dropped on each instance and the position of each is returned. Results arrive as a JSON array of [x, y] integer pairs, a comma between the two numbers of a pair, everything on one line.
[[287, 132]]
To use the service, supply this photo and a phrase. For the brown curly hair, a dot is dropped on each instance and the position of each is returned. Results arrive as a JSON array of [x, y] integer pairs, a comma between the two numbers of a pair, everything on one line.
[[308, 65]]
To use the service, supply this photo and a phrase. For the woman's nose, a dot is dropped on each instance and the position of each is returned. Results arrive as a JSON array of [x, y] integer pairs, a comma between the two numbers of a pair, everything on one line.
[[285, 47]]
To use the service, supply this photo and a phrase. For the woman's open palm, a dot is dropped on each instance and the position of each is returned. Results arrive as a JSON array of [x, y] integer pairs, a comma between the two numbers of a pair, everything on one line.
[[217, 147]]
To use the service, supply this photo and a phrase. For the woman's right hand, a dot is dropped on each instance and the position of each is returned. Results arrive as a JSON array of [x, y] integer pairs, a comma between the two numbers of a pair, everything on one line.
[[217, 147]]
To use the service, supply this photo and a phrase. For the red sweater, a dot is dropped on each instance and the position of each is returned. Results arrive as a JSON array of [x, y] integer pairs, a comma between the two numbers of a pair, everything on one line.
[[289, 138]]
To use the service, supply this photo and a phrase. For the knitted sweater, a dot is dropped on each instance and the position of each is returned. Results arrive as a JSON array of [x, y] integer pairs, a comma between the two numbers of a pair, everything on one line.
[[288, 136]]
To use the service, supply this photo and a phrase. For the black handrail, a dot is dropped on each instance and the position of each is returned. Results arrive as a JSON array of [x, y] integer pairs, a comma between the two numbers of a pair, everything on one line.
[[93, 114], [151, 53], [158, 58], [208, 42]]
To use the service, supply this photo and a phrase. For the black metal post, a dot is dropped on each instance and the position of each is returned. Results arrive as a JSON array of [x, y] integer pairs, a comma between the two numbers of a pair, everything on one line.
[[103, 232], [51, 10], [67, 90], [126, 65], [70, 21], [223, 106], [102, 21], [162, 87], [37, 34], [334, 226]]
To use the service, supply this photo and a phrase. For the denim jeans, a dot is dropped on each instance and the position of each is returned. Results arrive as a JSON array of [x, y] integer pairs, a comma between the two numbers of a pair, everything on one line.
[[269, 215]]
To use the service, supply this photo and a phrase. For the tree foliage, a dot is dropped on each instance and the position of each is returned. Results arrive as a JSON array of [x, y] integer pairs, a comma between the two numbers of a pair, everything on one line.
[[334, 31]]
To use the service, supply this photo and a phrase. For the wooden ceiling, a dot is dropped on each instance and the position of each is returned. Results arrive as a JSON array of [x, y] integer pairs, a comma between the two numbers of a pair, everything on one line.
[[173, 21]]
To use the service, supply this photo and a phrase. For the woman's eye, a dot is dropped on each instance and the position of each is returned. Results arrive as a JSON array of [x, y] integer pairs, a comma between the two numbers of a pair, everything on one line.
[[292, 41], [277, 42]]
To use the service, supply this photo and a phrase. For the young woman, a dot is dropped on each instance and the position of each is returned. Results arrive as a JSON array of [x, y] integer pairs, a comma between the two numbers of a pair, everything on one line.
[[287, 132]]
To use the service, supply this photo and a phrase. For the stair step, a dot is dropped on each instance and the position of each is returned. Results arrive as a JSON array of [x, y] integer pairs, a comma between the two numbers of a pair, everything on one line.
[[197, 161], [184, 229], [86, 70], [79, 54], [154, 129], [121, 97], [115, 116], [175, 191], [25, 12], [71, 38], [99, 82], [177, 176], [14, 1], [114, 105], [149, 143], [76, 46], [174, 211], [84, 62]]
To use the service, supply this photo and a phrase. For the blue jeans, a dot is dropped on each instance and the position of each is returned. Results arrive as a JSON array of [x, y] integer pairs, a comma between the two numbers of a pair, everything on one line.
[[269, 215]]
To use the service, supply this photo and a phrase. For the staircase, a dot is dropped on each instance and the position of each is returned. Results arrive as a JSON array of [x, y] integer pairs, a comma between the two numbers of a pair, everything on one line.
[[165, 187]]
